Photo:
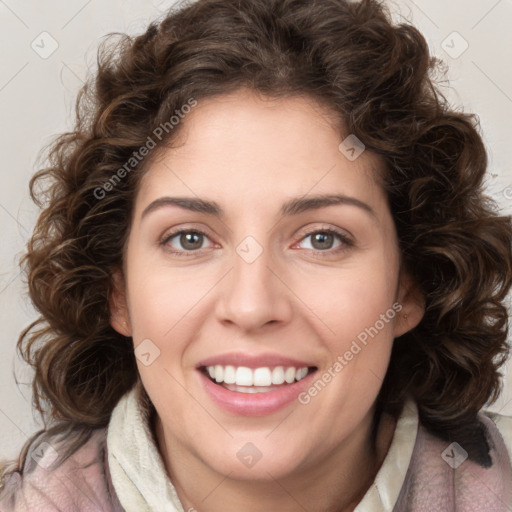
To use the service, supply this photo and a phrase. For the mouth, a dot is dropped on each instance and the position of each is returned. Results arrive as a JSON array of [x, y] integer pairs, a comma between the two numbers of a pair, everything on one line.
[[265, 379], [246, 384]]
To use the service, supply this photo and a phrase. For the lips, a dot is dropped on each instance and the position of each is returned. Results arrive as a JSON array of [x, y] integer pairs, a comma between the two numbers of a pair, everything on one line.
[[253, 361], [254, 385]]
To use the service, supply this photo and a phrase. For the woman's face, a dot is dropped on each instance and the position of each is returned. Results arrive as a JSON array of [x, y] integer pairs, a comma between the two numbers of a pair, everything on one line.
[[280, 279]]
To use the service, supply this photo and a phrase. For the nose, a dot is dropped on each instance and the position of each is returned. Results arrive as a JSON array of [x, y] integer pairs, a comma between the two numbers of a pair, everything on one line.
[[254, 294]]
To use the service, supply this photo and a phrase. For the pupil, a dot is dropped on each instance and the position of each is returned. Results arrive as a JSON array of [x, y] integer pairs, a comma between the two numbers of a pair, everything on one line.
[[322, 237], [188, 243]]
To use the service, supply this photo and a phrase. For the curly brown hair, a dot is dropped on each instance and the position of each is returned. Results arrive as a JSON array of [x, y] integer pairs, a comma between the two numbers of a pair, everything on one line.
[[377, 77]]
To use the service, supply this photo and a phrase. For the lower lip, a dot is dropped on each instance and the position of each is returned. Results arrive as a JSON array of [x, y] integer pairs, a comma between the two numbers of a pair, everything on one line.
[[254, 404]]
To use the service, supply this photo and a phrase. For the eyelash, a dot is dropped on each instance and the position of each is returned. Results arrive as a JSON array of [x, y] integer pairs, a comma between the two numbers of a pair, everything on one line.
[[346, 243]]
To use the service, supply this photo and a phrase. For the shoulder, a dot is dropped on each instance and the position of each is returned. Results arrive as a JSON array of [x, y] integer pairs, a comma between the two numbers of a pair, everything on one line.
[[451, 473], [49, 482], [504, 424]]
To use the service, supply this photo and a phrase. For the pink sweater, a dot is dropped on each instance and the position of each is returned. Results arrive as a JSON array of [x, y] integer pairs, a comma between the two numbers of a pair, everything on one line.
[[421, 473]]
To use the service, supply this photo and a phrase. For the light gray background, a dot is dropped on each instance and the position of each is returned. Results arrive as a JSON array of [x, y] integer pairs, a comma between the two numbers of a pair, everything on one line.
[[36, 101]]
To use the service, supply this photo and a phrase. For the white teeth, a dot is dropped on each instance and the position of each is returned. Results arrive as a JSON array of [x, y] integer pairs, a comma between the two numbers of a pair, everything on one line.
[[278, 375], [249, 389], [289, 375], [258, 377], [229, 375], [262, 377], [301, 373], [243, 376]]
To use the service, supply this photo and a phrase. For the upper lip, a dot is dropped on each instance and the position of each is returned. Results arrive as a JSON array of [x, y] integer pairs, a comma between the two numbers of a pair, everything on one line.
[[253, 361]]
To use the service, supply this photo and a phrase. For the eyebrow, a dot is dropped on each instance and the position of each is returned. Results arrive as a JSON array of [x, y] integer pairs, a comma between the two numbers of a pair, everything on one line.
[[291, 207]]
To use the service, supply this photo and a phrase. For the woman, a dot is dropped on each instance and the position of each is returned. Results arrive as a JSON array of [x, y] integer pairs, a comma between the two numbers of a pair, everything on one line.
[[268, 277]]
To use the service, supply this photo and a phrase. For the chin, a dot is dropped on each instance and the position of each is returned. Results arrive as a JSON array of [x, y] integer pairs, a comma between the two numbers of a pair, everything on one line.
[[254, 461]]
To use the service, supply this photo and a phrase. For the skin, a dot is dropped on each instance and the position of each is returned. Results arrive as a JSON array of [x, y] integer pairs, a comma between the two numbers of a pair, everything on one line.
[[250, 155]]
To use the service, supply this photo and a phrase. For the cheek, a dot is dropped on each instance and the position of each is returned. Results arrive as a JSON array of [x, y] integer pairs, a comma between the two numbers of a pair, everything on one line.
[[348, 299], [366, 329], [355, 314], [162, 311], [158, 314], [160, 298]]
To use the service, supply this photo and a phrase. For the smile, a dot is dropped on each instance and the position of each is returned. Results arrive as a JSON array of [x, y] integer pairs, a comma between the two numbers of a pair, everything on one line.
[[254, 389], [255, 380]]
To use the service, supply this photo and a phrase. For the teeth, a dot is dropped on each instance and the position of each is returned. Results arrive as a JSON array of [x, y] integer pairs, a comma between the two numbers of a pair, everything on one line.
[[301, 373], [219, 374], [229, 375], [243, 376], [250, 389], [278, 375], [258, 377], [289, 375], [262, 377]]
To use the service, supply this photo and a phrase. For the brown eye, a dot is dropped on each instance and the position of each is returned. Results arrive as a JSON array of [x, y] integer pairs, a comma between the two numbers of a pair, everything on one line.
[[322, 240], [191, 240], [185, 241]]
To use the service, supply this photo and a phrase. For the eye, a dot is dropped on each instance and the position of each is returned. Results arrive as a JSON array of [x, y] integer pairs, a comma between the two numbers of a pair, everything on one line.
[[183, 241], [188, 242], [324, 240]]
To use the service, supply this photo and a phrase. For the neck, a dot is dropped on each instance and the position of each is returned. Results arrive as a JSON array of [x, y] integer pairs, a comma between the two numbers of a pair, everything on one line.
[[337, 484]]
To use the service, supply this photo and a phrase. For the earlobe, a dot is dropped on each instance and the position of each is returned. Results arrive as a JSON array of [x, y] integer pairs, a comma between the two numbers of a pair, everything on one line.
[[413, 305], [119, 316]]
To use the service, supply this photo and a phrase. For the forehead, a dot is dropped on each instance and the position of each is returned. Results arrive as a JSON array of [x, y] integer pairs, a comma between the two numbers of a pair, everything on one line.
[[248, 148]]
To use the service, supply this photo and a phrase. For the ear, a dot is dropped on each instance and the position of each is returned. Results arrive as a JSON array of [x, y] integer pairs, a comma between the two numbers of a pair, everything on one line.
[[118, 306], [412, 304]]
